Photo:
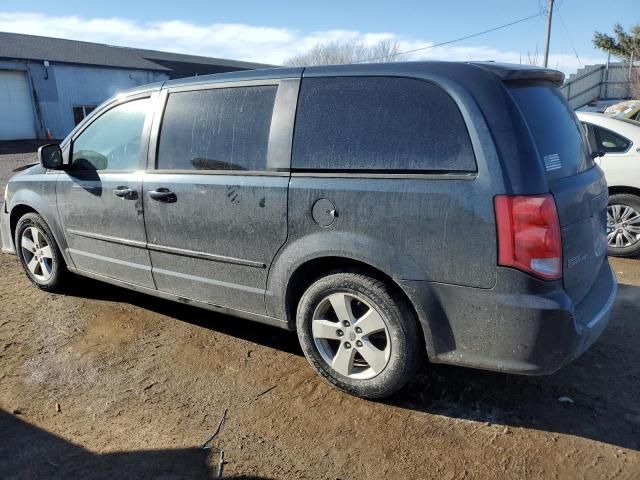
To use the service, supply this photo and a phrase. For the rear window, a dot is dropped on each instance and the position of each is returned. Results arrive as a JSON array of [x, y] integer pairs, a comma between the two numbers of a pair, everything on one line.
[[379, 123], [555, 128]]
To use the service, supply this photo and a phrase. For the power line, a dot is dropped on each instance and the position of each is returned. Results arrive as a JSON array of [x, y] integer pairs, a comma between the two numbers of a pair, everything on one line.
[[456, 39], [566, 31]]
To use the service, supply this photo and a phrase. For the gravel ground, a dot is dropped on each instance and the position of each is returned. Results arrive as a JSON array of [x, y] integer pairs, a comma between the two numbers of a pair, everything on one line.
[[101, 382]]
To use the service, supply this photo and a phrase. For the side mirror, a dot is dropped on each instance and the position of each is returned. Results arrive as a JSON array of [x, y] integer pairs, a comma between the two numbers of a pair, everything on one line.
[[50, 156], [597, 153]]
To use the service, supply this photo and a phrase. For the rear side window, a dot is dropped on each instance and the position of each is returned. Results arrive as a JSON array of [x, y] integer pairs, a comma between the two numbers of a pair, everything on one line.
[[608, 141], [556, 130], [217, 129], [379, 123]]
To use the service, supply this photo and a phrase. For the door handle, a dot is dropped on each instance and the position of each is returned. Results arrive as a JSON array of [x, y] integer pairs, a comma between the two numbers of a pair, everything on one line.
[[162, 195], [126, 193]]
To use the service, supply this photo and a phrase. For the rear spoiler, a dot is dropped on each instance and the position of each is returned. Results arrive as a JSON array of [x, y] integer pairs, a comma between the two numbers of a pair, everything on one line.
[[514, 72]]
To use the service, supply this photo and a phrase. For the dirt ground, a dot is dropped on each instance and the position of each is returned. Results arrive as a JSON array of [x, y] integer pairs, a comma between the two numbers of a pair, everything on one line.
[[100, 382]]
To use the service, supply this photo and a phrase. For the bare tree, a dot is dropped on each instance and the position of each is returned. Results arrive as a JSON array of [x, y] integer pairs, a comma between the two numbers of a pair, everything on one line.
[[385, 51], [353, 51], [532, 57]]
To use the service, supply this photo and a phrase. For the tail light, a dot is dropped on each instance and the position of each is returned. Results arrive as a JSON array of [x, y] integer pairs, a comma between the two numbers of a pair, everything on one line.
[[529, 235]]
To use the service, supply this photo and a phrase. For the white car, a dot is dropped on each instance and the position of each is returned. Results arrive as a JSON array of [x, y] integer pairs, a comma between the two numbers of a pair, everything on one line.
[[618, 142]]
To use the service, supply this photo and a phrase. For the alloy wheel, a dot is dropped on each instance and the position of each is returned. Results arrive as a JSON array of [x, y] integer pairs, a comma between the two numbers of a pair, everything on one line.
[[623, 226], [37, 253], [351, 335]]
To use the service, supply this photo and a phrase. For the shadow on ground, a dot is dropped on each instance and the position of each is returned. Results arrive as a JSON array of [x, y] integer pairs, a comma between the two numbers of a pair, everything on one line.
[[28, 452], [259, 333], [603, 384]]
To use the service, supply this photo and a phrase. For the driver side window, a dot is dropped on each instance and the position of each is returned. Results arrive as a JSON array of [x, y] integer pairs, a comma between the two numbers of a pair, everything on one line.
[[112, 141]]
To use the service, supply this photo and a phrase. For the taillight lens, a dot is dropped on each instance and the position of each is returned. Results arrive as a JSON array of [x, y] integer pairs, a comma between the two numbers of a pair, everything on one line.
[[529, 234]]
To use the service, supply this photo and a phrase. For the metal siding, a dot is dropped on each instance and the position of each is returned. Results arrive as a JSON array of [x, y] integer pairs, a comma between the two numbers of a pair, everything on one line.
[[70, 85]]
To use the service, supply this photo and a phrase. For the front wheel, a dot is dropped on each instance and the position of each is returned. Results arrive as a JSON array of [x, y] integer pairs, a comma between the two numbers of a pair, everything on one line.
[[623, 225], [39, 253], [358, 334]]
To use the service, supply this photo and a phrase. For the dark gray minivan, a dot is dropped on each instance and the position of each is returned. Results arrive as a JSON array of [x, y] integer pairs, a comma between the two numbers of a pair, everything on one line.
[[380, 210]]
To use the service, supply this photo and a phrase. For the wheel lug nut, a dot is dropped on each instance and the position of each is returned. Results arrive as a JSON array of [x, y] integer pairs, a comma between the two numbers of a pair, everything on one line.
[[346, 324], [339, 333], [358, 330], [358, 343], [347, 345]]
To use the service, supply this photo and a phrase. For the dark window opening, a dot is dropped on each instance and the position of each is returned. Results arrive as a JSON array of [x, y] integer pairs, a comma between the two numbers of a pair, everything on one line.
[[81, 111]]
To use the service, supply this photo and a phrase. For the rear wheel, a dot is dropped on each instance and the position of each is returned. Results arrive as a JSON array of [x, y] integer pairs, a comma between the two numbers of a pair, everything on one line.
[[358, 334], [623, 225], [39, 253]]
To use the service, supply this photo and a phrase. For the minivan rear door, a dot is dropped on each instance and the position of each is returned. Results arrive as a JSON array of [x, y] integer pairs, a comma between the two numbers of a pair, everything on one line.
[[577, 184]]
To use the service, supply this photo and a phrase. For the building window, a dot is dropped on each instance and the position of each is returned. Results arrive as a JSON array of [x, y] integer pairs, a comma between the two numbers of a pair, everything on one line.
[[81, 111]]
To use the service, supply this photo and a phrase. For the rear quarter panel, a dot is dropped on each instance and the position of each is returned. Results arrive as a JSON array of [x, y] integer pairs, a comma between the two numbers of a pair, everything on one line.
[[424, 227], [411, 229]]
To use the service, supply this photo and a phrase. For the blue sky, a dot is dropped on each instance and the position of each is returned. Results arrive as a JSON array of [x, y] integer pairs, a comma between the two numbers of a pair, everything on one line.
[[272, 31]]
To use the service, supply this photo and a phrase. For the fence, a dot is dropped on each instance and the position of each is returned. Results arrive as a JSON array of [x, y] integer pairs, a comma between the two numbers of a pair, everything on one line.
[[600, 82]]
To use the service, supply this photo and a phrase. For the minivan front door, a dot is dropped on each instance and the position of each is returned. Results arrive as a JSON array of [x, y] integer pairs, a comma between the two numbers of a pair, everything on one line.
[[215, 208], [99, 195]]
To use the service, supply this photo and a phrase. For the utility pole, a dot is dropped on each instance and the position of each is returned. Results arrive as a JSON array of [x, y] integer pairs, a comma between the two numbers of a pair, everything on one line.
[[548, 36]]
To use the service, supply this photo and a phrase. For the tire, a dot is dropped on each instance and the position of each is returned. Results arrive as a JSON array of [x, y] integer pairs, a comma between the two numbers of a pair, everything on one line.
[[623, 222], [375, 361], [32, 237]]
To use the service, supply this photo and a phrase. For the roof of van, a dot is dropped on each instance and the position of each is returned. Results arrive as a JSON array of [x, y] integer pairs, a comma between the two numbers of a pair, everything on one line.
[[505, 71]]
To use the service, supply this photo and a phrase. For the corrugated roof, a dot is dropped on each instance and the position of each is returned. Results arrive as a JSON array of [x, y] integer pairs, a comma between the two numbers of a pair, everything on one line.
[[32, 47]]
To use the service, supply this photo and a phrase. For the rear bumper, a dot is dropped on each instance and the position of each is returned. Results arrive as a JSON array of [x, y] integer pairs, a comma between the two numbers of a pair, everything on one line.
[[504, 329], [5, 231]]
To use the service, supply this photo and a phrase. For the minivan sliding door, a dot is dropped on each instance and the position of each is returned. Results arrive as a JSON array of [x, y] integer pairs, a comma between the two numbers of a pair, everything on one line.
[[216, 205]]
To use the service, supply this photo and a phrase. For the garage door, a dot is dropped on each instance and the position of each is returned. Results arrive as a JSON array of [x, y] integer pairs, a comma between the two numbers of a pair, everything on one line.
[[16, 107]]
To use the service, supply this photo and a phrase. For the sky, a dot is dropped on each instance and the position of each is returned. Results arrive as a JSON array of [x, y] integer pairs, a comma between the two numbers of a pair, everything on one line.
[[272, 31]]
